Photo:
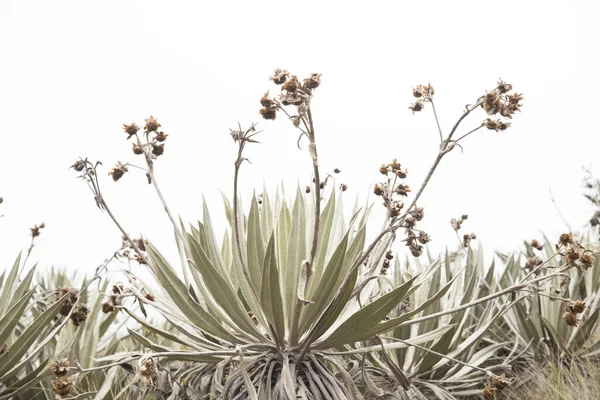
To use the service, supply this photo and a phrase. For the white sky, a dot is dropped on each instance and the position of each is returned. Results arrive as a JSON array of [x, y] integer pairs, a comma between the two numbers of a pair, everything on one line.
[[72, 72]]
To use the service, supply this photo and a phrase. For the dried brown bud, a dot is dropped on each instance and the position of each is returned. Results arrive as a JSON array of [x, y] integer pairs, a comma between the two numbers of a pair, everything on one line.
[[60, 367], [80, 313], [150, 297], [402, 190], [571, 319], [35, 231], [578, 307], [291, 85], [378, 190], [131, 129], [78, 166], [343, 187], [418, 106], [108, 307], [389, 255], [384, 169], [67, 305], [1, 200], [496, 125], [587, 259], [279, 76], [137, 150], [152, 124], [504, 87], [62, 386], [536, 245], [335, 171], [423, 238], [418, 213], [268, 113], [160, 136], [307, 189], [533, 262], [158, 149], [118, 171], [464, 217], [423, 91], [313, 81], [566, 239], [500, 382], [416, 250], [147, 366]]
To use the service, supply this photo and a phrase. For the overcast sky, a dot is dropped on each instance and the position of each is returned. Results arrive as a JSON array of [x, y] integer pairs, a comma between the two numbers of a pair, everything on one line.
[[73, 72]]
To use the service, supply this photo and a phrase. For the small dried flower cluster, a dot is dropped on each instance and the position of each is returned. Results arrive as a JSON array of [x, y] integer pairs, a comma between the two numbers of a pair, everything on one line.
[[62, 385], [500, 102], [392, 191], [118, 171], [423, 94], [495, 384], [389, 256], [35, 231], [457, 222], [536, 245], [533, 262], [73, 297], [114, 300], [573, 309], [292, 93], [574, 253], [128, 251], [146, 370], [154, 145]]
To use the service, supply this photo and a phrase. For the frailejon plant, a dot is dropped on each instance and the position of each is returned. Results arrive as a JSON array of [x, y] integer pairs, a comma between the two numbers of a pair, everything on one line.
[[288, 302]]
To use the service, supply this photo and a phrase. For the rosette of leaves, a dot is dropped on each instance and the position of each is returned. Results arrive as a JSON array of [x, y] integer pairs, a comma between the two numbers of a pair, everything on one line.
[[240, 345], [24, 333], [538, 324]]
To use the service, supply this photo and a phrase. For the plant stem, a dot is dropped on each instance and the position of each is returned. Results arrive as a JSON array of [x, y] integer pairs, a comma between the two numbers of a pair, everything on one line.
[[437, 121]]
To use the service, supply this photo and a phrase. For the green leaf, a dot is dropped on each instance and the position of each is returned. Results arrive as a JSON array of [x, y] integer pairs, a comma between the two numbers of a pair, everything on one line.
[[271, 300], [255, 246], [368, 317]]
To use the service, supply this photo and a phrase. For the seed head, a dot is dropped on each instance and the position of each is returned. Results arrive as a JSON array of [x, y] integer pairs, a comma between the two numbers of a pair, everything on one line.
[[131, 129], [279, 76], [268, 113], [383, 169], [578, 307], [62, 386], [587, 259], [118, 171], [291, 85], [423, 91], [137, 150], [571, 319], [378, 190], [504, 87], [402, 190], [566, 239], [496, 125], [35, 231], [533, 262], [78, 166], [158, 149], [80, 314], [152, 124], [67, 305], [418, 213], [423, 238], [313, 81], [146, 366], [416, 107], [108, 307], [160, 136], [60, 367], [537, 245], [343, 187], [335, 170]]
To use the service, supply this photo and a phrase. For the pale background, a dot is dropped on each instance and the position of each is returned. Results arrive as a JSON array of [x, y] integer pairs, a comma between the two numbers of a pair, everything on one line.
[[71, 73]]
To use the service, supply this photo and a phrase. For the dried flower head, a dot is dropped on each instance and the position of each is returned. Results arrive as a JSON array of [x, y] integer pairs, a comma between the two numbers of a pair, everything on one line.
[[62, 386], [160, 136], [313, 81], [60, 367], [335, 171], [137, 150], [78, 165], [533, 262], [587, 259], [467, 237], [571, 319], [158, 149], [118, 171], [423, 91], [150, 297], [504, 87], [566, 239], [500, 382], [343, 187], [131, 129], [496, 125], [536, 245], [80, 314], [146, 366], [108, 307], [577, 307], [416, 107], [418, 213], [35, 231], [291, 85], [67, 305], [402, 190], [152, 124], [423, 238], [268, 113], [279, 76], [379, 190]]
